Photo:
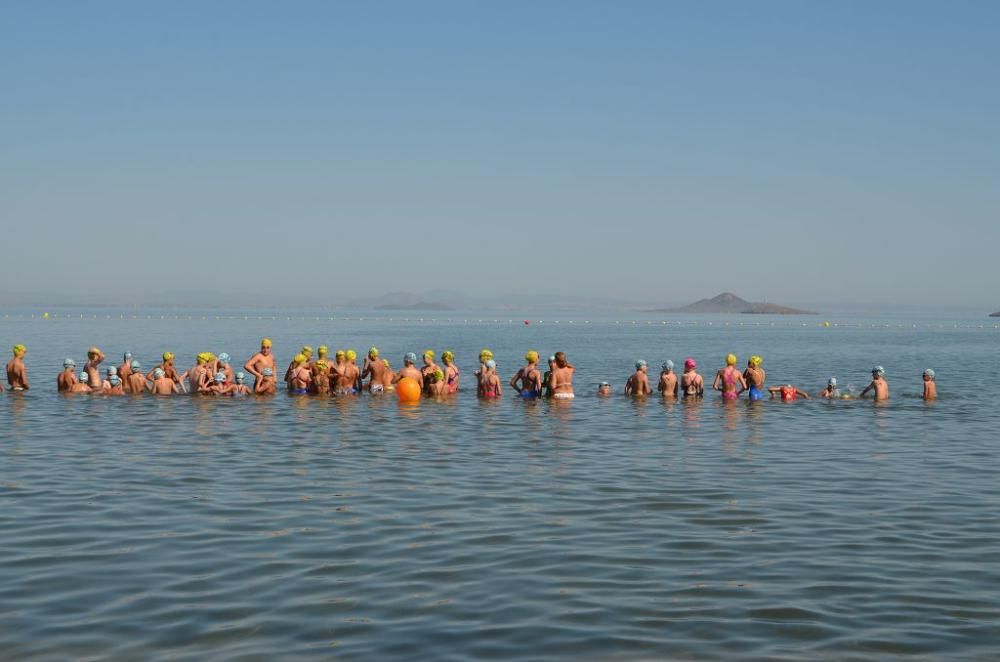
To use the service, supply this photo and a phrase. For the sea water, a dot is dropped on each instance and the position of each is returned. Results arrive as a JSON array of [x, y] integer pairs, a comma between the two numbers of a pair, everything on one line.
[[357, 528]]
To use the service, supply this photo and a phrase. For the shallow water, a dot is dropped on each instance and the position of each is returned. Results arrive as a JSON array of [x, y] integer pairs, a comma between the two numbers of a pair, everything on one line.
[[601, 528]]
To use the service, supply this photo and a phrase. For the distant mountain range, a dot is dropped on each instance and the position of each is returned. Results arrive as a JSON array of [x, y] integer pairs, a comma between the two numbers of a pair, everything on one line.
[[996, 314], [729, 303]]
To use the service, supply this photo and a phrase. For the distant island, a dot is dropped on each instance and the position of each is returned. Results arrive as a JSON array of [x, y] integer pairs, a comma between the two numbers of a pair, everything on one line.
[[420, 305], [996, 314], [729, 303]]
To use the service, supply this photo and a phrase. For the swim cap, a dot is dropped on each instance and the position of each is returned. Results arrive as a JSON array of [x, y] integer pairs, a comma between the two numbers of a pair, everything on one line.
[[730, 359], [322, 350], [84, 377], [491, 364], [168, 356], [878, 370], [240, 377], [267, 372], [603, 384], [224, 358], [929, 373], [299, 359], [373, 352], [429, 354], [410, 358], [112, 371], [448, 356], [531, 357], [135, 365], [209, 356], [69, 363], [385, 362], [552, 359], [438, 375], [755, 361], [640, 364], [351, 355], [93, 351], [668, 365], [158, 373], [322, 365], [485, 355], [307, 350], [690, 364], [832, 382], [266, 342], [19, 349], [201, 358], [220, 377], [128, 356], [114, 380], [341, 354]]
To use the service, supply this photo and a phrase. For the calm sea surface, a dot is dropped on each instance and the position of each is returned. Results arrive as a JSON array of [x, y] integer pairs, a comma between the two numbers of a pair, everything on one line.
[[192, 528]]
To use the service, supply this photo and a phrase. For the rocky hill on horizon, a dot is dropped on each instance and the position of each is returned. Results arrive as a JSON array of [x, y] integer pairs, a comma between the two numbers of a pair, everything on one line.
[[729, 303]]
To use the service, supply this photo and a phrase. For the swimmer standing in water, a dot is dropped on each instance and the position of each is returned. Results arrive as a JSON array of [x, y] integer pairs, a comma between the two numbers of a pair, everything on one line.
[[262, 359], [82, 385], [878, 385], [377, 372], [450, 372], [638, 383], [528, 380], [428, 370], [169, 371], [299, 377], [668, 385], [266, 384], [320, 384], [94, 358], [67, 378], [346, 373], [562, 378], [930, 386], [754, 376], [729, 380], [489, 381], [162, 384], [692, 384], [408, 370], [136, 383], [17, 374], [240, 389]]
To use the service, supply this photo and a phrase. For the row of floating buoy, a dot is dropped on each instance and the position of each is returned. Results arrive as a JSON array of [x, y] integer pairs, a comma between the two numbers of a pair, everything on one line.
[[450, 320]]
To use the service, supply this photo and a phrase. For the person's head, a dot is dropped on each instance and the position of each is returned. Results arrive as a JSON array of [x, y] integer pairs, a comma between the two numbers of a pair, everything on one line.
[[340, 355], [84, 377], [240, 378], [373, 353], [112, 371], [640, 366], [267, 373], [438, 375], [491, 364], [265, 346], [531, 357], [351, 355], [561, 359], [93, 353], [202, 358], [158, 373], [114, 380], [127, 357], [604, 388], [220, 377], [322, 352], [410, 358], [429, 357], [731, 359], [385, 362], [878, 372], [690, 364], [755, 361], [832, 383], [307, 351], [299, 359], [224, 359], [69, 364], [485, 355], [448, 357], [552, 361], [168, 358], [135, 365], [668, 366], [928, 375]]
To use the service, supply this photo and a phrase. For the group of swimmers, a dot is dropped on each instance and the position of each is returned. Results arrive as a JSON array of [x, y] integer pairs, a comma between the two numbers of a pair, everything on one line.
[[341, 375]]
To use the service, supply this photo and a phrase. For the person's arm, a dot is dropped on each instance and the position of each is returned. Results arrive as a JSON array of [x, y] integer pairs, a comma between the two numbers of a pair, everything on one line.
[[628, 385], [803, 394], [251, 367], [24, 377], [513, 381], [717, 381], [773, 389], [743, 385], [867, 388], [498, 386]]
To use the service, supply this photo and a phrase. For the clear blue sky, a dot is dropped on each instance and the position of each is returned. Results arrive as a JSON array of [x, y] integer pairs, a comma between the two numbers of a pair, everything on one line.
[[795, 151]]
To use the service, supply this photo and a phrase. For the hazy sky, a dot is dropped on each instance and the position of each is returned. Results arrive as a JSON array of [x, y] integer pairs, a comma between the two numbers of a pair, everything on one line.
[[799, 152]]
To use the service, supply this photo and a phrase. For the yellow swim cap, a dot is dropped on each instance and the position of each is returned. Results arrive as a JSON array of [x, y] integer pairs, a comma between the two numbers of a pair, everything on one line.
[[210, 356], [299, 359], [755, 361], [438, 375], [168, 356], [531, 357], [373, 352], [351, 355], [19, 349], [266, 342], [385, 362], [448, 356], [93, 351], [429, 354], [485, 355], [340, 353], [323, 350], [730, 359], [307, 350], [202, 358], [321, 365]]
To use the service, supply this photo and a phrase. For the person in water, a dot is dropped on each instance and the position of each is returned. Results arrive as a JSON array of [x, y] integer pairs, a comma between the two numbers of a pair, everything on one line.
[[200, 375], [374, 371], [878, 384], [729, 380], [428, 369], [754, 376], [346, 373], [787, 392], [409, 370], [322, 354], [930, 386], [262, 359], [114, 384], [638, 382], [450, 372], [435, 384], [300, 376], [484, 356], [135, 383], [320, 373], [305, 353], [604, 389], [168, 368], [528, 380], [17, 374], [125, 369], [489, 381], [224, 365], [831, 392], [562, 378], [692, 383], [547, 377], [67, 378], [94, 359], [668, 385], [387, 377], [240, 389], [219, 385], [162, 384], [112, 371], [266, 384], [82, 385]]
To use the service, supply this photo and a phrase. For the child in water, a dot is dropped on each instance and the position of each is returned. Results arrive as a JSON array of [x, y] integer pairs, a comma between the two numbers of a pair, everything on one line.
[[240, 389], [930, 386], [604, 389], [266, 385], [878, 385], [831, 392]]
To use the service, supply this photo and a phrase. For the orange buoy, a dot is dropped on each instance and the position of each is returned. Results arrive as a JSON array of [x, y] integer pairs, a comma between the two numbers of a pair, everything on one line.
[[408, 390]]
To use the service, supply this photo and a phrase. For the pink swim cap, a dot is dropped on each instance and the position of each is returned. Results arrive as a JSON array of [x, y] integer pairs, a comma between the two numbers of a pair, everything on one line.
[[690, 364]]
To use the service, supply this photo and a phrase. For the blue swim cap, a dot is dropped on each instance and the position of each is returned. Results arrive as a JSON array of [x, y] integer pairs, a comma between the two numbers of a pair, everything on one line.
[[878, 370], [114, 380], [136, 365], [112, 371], [69, 363], [240, 376], [128, 356], [410, 357], [84, 377], [223, 358], [267, 372], [220, 376], [640, 364], [668, 365]]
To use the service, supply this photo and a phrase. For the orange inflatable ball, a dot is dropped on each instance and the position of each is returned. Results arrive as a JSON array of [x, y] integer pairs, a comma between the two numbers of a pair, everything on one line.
[[408, 390]]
